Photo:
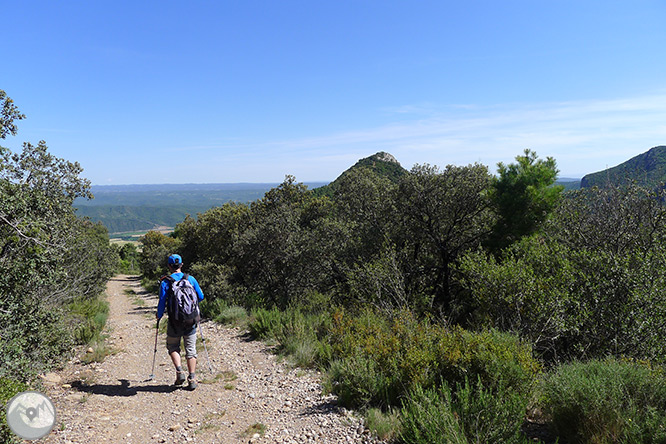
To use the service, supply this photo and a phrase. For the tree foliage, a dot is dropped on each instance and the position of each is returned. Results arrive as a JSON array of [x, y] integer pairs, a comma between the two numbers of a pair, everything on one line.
[[443, 214], [591, 284], [524, 195], [8, 116], [47, 254], [155, 248]]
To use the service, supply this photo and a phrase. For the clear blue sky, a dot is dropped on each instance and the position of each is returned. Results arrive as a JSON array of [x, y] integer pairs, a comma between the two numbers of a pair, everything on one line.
[[249, 91]]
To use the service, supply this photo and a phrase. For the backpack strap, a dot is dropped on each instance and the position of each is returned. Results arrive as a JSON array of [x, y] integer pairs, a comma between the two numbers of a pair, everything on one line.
[[167, 278]]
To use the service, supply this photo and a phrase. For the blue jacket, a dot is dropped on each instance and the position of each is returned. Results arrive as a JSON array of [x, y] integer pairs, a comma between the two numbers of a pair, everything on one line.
[[164, 286]]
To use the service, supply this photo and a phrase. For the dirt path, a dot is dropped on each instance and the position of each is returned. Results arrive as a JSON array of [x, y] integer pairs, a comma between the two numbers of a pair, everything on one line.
[[254, 399]]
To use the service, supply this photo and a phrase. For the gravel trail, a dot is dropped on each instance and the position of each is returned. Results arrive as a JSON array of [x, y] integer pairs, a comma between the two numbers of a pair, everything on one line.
[[249, 398]]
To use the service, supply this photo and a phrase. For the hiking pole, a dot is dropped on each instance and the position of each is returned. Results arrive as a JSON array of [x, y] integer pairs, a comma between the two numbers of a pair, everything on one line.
[[204, 344], [157, 330]]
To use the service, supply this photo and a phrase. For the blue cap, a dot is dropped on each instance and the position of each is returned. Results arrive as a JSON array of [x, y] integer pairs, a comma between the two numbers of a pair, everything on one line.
[[175, 259]]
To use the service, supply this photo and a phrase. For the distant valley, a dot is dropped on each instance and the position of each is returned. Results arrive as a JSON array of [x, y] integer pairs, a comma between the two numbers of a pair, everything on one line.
[[126, 209]]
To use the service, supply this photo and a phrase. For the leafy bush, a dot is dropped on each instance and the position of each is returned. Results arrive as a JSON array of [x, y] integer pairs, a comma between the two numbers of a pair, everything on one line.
[[232, 315], [359, 381], [34, 338], [155, 248], [9, 387], [572, 302], [298, 334], [607, 401], [384, 425], [265, 323], [212, 307], [381, 360], [129, 259], [470, 414], [428, 418], [90, 317]]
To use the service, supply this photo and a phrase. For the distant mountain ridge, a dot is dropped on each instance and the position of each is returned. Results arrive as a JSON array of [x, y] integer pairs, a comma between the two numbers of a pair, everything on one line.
[[381, 163], [129, 208], [647, 169]]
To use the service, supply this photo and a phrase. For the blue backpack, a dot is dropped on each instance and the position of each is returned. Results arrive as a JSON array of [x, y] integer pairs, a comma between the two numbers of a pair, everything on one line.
[[182, 302]]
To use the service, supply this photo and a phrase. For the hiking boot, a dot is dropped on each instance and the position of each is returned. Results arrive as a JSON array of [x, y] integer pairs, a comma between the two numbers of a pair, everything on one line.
[[180, 378], [191, 384]]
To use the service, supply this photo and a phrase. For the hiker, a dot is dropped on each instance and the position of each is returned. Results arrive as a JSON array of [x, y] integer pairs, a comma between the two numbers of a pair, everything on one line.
[[187, 329]]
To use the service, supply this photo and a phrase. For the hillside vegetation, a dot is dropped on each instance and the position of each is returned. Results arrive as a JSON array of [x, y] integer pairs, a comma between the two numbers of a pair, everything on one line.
[[54, 265], [445, 295], [647, 170], [381, 164]]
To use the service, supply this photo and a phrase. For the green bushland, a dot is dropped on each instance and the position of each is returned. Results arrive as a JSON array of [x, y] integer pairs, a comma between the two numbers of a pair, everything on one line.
[[49, 257], [446, 287], [220, 311], [589, 285], [90, 315], [377, 362], [607, 401], [300, 335], [129, 258], [9, 387], [469, 414], [384, 425]]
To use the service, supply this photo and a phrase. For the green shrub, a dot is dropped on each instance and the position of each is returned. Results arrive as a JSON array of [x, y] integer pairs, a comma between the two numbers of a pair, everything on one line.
[[232, 315], [470, 414], [299, 335], [90, 317], [9, 387], [34, 338], [384, 425], [220, 310], [359, 381], [607, 401], [265, 324], [428, 418], [394, 356], [491, 415]]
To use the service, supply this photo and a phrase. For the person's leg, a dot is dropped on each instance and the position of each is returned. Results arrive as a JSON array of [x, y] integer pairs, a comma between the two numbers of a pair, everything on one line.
[[173, 347], [191, 355], [192, 365]]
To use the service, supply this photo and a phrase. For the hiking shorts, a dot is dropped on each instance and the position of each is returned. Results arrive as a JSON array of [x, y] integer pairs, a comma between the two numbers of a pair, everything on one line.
[[189, 339]]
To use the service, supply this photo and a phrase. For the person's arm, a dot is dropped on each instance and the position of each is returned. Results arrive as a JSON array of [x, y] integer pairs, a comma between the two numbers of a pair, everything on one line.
[[195, 284], [161, 305]]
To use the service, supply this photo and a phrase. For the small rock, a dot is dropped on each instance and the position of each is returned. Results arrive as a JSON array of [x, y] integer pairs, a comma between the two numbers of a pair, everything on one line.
[[174, 427], [90, 350], [51, 378]]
